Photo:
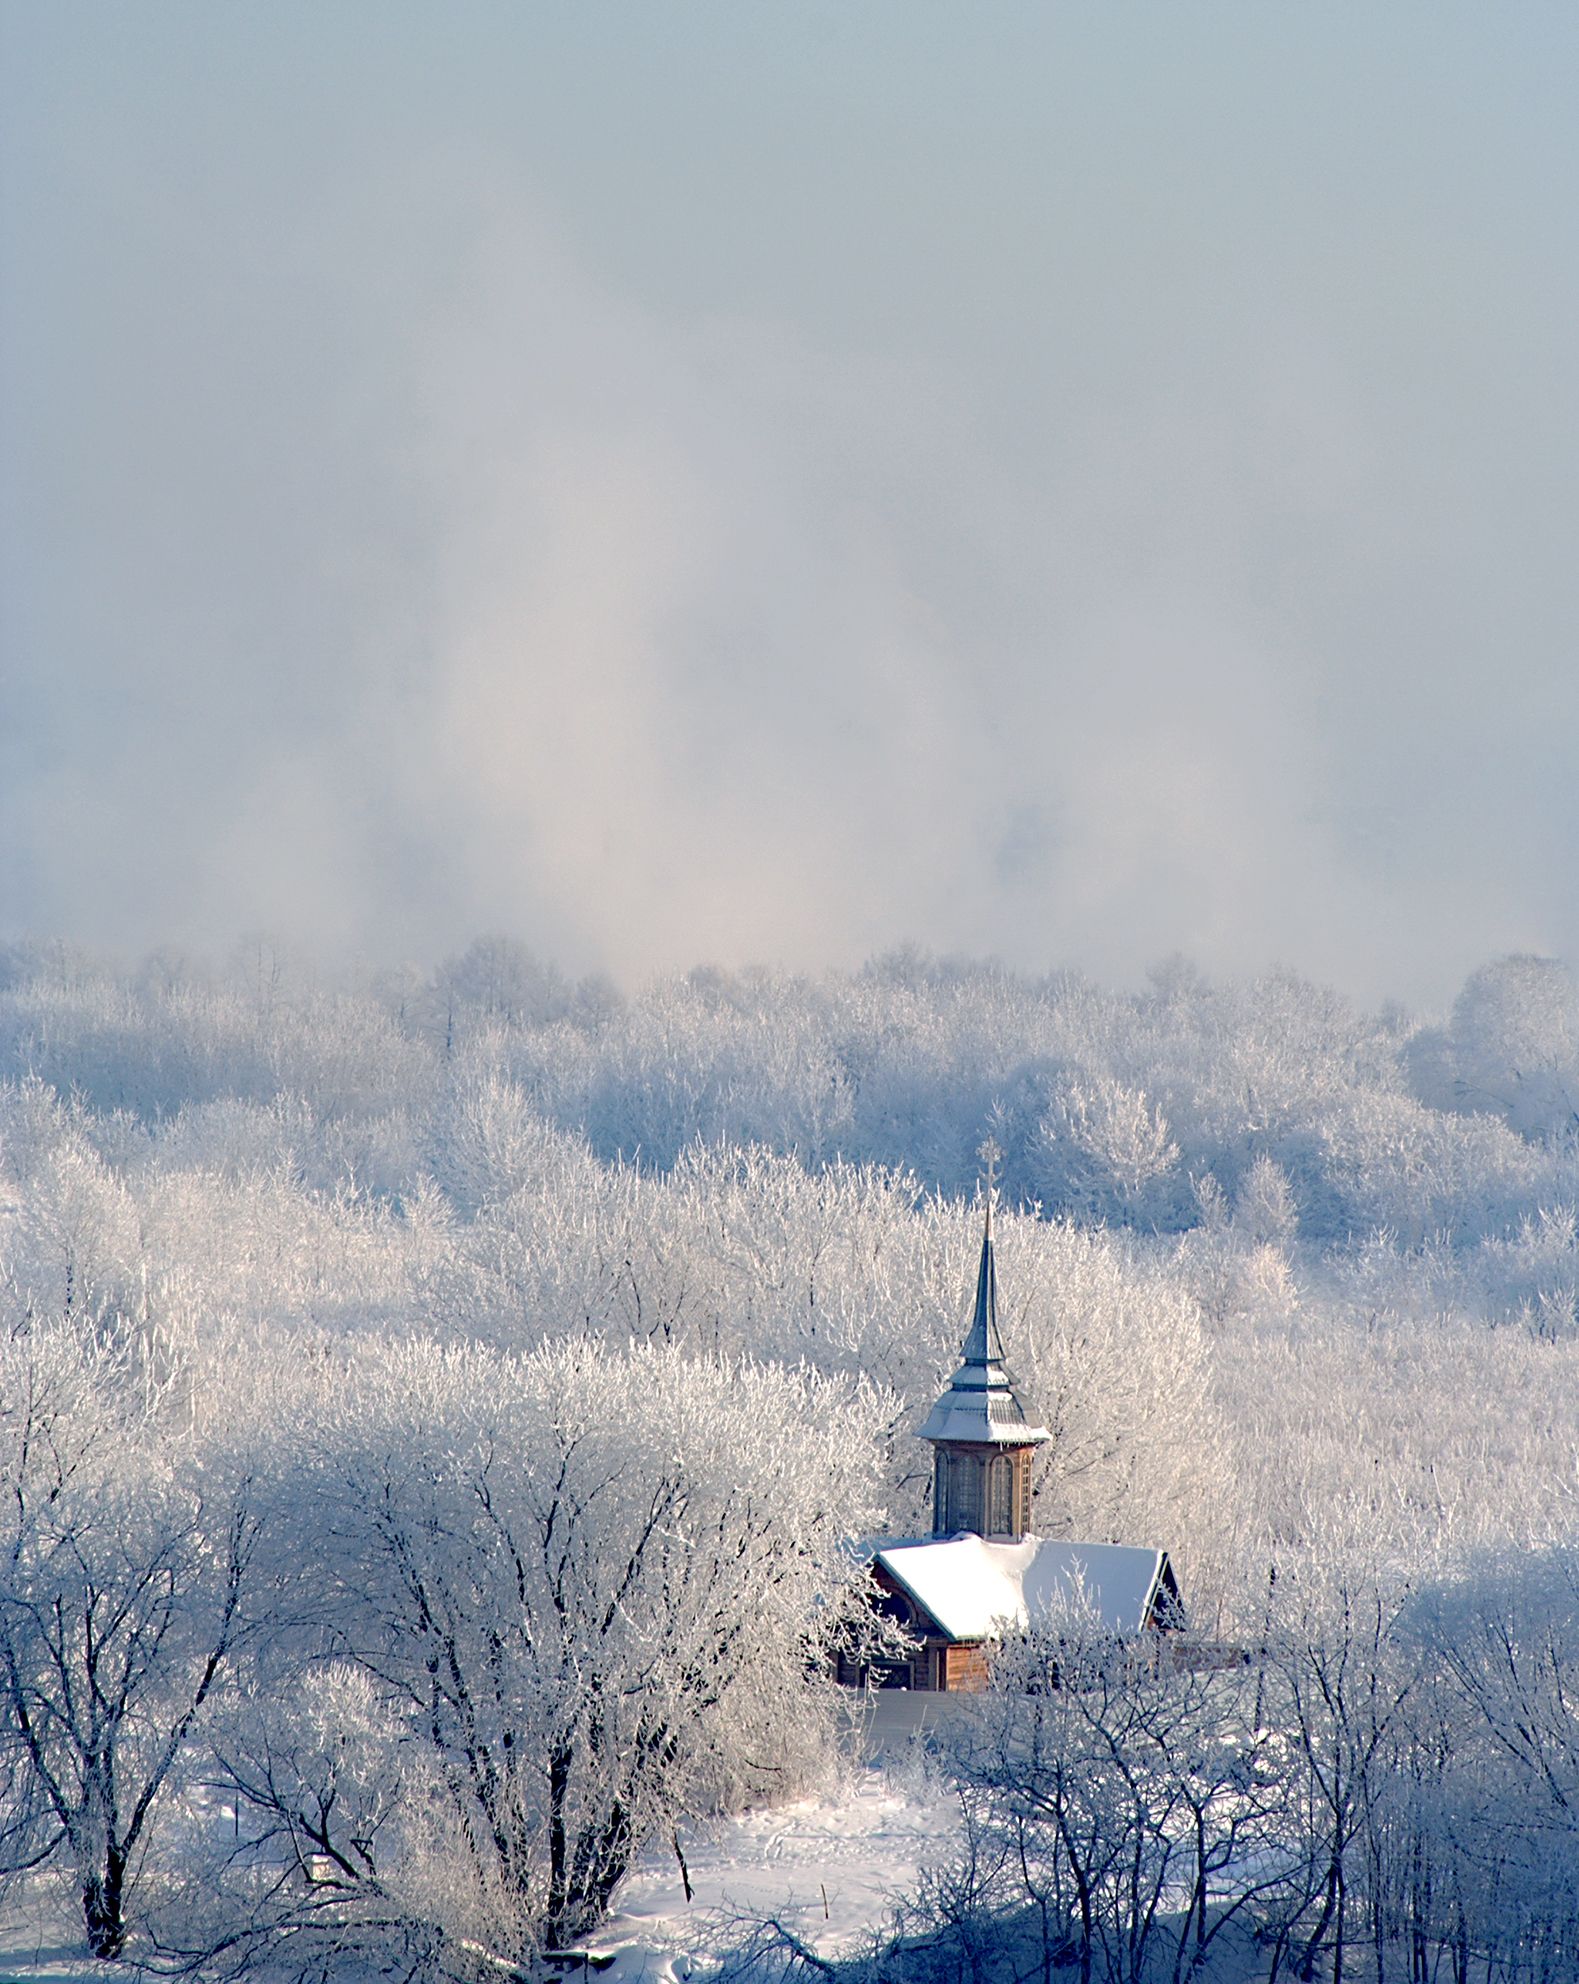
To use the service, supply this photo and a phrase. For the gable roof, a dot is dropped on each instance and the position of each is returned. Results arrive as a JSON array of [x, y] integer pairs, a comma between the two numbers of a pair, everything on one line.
[[975, 1590]]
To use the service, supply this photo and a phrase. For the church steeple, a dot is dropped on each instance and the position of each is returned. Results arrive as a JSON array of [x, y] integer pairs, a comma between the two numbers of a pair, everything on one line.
[[984, 1442], [983, 1345]]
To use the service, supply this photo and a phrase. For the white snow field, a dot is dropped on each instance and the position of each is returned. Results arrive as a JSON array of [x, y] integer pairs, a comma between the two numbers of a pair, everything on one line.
[[828, 1869], [33, 1952]]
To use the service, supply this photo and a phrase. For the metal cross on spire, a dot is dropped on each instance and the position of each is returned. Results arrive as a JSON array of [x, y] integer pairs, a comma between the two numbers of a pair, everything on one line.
[[991, 1155], [983, 1345]]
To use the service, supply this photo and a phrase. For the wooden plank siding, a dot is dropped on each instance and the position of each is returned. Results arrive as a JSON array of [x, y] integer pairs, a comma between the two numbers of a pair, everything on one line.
[[964, 1668]]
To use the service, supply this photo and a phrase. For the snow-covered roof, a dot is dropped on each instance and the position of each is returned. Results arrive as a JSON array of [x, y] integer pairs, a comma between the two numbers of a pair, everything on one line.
[[981, 1406], [977, 1590]]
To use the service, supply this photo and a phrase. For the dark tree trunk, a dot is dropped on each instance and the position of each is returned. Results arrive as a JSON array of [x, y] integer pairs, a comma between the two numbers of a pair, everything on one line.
[[103, 1899], [599, 1862], [1329, 1907], [558, 1842]]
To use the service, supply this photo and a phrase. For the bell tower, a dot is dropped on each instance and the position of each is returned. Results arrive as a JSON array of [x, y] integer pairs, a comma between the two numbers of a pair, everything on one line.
[[981, 1477]]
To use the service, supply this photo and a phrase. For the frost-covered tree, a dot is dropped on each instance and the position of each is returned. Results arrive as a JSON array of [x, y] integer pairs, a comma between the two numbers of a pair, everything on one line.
[[589, 1592], [124, 1562], [1510, 1049], [1515, 1031], [1487, 1848], [1126, 1815], [1105, 1149], [1339, 1686]]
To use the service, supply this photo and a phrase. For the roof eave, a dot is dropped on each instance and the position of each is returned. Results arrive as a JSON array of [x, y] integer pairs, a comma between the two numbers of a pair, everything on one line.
[[939, 1630]]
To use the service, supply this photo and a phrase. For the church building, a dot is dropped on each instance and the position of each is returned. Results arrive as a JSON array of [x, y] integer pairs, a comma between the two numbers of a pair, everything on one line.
[[982, 1574]]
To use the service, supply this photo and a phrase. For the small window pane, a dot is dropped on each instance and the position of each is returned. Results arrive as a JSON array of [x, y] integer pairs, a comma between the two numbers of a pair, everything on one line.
[[1002, 1497], [964, 1493]]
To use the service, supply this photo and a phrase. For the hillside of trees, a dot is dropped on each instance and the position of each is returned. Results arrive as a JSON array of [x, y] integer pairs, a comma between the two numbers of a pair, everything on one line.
[[350, 1324]]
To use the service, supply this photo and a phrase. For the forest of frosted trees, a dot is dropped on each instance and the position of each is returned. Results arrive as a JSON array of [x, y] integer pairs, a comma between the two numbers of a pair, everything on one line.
[[434, 1410]]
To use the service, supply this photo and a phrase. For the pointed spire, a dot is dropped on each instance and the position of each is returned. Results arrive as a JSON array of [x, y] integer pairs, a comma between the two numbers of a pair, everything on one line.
[[983, 1344], [981, 1405]]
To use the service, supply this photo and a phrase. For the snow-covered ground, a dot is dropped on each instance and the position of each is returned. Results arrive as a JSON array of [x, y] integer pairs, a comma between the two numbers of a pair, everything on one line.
[[33, 1952], [826, 1868]]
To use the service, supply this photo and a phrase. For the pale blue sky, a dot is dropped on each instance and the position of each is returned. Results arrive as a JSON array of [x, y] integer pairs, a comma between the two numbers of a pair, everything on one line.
[[746, 482]]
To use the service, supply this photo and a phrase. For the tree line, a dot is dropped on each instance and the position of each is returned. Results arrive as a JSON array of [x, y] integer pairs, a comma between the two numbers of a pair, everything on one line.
[[354, 1328]]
